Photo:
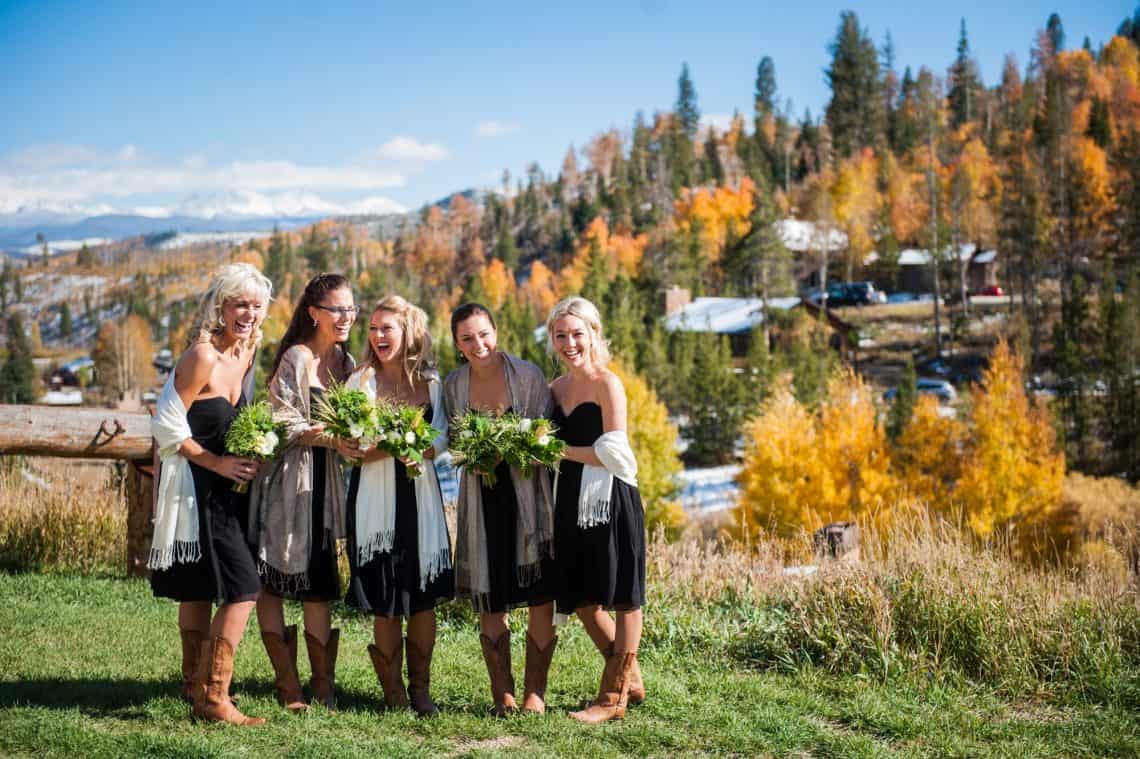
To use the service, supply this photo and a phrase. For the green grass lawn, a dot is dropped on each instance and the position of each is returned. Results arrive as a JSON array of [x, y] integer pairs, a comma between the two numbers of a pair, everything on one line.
[[88, 667]]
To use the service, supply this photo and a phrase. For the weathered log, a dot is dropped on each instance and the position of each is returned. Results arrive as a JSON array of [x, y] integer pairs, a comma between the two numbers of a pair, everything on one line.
[[140, 522], [86, 433]]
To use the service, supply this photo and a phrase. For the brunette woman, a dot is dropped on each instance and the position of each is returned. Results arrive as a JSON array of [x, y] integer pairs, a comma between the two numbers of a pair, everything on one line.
[[503, 552], [599, 524], [299, 497], [199, 554], [398, 546]]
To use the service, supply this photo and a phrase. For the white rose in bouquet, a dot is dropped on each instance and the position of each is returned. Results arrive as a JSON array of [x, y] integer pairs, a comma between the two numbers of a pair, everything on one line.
[[268, 444]]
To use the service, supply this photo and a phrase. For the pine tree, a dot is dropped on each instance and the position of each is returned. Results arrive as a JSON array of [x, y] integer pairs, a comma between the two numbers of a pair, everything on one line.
[[717, 411], [1119, 327], [965, 83], [1100, 124], [1072, 344], [6, 279], [764, 102], [855, 115], [505, 248], [686, 109], [902, 407], [1056, 32], [65, 320], [18, 382]]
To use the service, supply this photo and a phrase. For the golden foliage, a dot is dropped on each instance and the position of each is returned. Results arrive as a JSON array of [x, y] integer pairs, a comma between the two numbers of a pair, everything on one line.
[[803, 470], [855, 201], [498, 283], [539, 290], [623, 252], [1012, 473], [718, 213], [654, 443], [928, 455]]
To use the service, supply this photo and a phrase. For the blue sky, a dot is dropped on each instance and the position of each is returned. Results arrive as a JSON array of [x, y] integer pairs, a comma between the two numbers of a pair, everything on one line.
[[205, 106]]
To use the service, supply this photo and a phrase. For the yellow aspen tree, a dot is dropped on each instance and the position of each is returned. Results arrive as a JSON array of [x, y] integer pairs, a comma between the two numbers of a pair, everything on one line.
[[928, 455], [654, 443], [497, 282], [1013, 473]]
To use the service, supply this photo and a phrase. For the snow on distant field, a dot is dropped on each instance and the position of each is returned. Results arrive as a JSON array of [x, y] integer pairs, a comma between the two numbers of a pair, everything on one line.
[[65, 246], [709, 490], [186, 239]]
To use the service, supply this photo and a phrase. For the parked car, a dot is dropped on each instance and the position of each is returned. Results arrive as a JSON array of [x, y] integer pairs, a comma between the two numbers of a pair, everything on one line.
[[990, 290], [939, 388], [841, 294], [901, 297]]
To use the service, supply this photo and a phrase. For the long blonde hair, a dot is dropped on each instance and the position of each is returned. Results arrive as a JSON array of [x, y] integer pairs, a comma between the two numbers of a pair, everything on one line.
[[418, 359], [583, 309], [230, 281]]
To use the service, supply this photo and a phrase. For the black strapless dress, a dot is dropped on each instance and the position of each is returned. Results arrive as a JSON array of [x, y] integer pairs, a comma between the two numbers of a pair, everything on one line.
[[227, 572], [604, 564], [500, 518], [388, 585], [323, 576]]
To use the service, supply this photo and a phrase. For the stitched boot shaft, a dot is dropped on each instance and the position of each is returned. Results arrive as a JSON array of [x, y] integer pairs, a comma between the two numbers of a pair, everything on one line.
[[282, 652], [388, 672], [497, 655], [322, 662], [636, 684], [212, 685], [191, 647], [614, 696], [537, 668], [419, 677]]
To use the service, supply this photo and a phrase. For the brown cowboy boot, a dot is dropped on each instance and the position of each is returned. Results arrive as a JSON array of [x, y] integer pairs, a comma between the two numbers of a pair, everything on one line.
[[322, 662], [191, 646], [537, 668], [614, 696], [212, 685], [419, 678], [497, 655], [282, 652], [388, 672], [636, 684]]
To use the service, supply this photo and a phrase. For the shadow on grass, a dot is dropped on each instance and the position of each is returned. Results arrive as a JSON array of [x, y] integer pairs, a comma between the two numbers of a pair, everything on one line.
[[96, 696]]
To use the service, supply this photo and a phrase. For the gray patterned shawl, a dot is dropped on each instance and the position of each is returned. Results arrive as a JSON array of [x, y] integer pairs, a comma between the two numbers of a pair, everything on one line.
[[281, 499], [530, 396]]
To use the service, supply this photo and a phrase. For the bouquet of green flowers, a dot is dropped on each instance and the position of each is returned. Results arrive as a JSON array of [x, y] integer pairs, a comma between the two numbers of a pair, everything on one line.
[[477, 439], [402, 431], [254, 435], [530, 441], [349, 414]]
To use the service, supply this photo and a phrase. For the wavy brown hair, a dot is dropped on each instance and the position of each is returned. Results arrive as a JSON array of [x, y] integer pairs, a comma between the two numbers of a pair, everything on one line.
[[418, 358]]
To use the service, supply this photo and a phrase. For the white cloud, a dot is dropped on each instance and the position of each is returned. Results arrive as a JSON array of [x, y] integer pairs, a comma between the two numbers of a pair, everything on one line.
[[496, 128], [411, 149]]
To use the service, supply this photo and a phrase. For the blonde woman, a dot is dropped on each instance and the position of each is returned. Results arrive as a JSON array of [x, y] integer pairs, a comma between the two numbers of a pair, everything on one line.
[[503, 552], [298, 502], [199, 554], [599, 523], [398, 547]]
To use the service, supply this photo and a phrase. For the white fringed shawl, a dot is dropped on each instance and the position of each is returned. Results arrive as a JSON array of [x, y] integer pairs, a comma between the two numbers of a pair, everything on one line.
[[176, 508], [376, 496], [616, 455]]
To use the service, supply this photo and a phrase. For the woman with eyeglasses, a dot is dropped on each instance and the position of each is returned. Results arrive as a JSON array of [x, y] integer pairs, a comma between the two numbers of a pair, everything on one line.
[[298, 510]]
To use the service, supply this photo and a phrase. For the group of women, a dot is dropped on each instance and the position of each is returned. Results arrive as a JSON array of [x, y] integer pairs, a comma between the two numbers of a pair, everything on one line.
[[571, 543]]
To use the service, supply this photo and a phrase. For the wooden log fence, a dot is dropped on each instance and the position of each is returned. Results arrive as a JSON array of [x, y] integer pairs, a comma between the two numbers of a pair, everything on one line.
[[92, 433]]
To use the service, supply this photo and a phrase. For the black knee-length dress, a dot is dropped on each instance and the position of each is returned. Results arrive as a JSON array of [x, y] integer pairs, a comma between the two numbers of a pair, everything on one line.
[[388, 584], [604, 564], [501, 521], [226, 572], [322, 574]]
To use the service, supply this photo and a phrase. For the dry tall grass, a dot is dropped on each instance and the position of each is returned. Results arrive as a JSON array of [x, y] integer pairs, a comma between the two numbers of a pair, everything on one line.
[[60, 515]]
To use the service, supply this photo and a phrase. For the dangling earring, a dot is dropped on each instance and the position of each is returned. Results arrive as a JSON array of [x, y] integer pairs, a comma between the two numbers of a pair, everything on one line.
[[314, 322]]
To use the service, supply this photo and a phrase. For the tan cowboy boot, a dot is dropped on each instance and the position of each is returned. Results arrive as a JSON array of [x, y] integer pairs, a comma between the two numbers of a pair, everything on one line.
[[282, 652], [388, 672], [534, 680], [497, 655], [212, 685], [191, 647], [419, 677], [636, 684], [322, 663], [614, 696]]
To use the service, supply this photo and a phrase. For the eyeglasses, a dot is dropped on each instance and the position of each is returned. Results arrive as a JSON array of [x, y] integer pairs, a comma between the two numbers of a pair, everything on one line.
[[350, 311]]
